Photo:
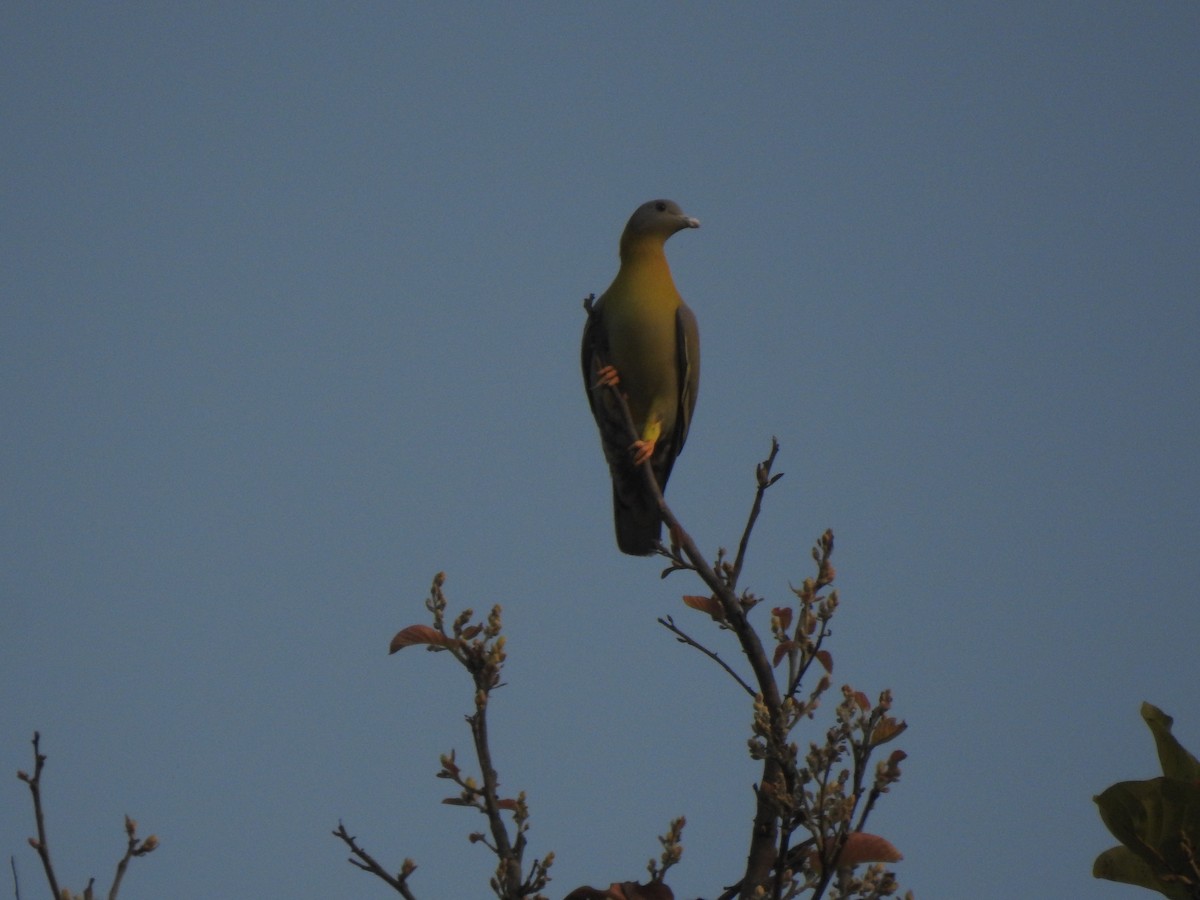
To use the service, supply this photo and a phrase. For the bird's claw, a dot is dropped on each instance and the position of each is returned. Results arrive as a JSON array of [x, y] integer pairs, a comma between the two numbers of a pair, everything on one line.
[[642, 451], [606, 376]]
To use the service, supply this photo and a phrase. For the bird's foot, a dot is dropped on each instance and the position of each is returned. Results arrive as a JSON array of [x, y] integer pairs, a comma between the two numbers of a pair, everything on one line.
[[642, 451], [606, 376]]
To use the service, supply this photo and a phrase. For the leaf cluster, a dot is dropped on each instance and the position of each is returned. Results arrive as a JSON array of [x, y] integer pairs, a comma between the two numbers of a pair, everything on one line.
[[1157, 821]]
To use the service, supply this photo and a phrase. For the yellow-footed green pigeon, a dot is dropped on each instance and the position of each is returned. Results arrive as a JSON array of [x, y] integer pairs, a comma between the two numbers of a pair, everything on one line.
[[641, 337]]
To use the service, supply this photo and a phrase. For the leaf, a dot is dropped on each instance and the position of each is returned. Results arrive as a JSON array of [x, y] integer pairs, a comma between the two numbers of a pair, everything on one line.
[[1153, 819], [861, 847], [656, 890], [825, 658], [784, 615], [625, 890], [863, 701], [1123, 865], [886, 729], [506, 804], [710, 605], [417, 634], [782, 649], [1176, 761]]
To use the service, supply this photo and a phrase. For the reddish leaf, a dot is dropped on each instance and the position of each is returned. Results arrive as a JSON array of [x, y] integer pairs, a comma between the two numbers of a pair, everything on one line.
[[867, 848], [886, 729], [825, 658], [710, 605], [784, 615], [863, 701], [417, 634], [632, 890], [507, 804], [781, 650], [456, 801], [625, 890]]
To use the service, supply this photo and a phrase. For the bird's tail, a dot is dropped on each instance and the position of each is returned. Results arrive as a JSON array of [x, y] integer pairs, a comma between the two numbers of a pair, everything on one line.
[[635, 513]]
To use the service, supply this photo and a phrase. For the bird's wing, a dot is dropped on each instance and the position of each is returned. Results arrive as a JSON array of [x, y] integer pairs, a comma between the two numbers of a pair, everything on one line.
[[687, 350], [614, 434]]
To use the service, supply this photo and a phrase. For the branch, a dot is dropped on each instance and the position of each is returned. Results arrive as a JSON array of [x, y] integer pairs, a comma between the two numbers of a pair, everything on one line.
[[134, 847], [479, 648], [669, 623], [367, 863], [761, 856], [510, 862], [35, 787], [765, 479]]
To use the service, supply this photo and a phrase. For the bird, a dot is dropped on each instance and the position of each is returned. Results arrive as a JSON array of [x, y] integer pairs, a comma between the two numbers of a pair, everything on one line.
[[643, 339]]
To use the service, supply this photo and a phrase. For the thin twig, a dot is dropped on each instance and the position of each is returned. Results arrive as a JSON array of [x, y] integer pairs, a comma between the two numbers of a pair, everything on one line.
[[765, 480], [131, 848], [669, 623], [368, 863], [35, 787]]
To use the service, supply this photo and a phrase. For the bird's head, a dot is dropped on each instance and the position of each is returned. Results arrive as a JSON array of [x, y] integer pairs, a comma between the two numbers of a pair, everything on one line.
[[656, 220]]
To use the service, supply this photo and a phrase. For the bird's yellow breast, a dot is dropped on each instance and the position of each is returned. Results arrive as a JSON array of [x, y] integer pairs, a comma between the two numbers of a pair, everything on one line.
[[640, 310]]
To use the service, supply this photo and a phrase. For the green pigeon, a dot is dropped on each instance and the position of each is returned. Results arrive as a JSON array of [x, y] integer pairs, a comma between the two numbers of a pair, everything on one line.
[[641, 337]]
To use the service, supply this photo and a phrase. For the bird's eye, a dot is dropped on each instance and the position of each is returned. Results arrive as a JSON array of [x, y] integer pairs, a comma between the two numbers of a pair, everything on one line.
[[660, 206]]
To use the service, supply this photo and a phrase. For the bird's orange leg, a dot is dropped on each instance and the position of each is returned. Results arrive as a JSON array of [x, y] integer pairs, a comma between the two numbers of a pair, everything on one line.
[[642, 450], [606, 376]]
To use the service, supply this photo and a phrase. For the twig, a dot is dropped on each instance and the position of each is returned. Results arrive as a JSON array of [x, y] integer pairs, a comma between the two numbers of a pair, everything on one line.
[[35, 787], [669, 623], [12, 864], [133, 848], [367, 863], [765, 480]]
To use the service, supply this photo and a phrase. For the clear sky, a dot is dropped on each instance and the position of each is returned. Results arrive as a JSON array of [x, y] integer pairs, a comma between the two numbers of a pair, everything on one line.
[[290, 319]]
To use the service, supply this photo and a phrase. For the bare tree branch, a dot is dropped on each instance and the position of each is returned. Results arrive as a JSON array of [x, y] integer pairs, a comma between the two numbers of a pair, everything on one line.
[[669, 623], [40, 843], [134, 847], [365, 861]]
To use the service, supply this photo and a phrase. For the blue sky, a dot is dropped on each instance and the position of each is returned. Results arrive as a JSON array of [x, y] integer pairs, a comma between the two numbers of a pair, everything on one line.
[[290, 323]]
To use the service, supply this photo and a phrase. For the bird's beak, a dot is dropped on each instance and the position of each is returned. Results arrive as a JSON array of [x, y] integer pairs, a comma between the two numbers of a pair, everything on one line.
[[689, 222]]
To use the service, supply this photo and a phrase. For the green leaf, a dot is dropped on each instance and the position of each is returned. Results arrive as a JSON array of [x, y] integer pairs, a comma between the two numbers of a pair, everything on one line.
[[1175, 759], [1154, 819], [1123, 865]]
